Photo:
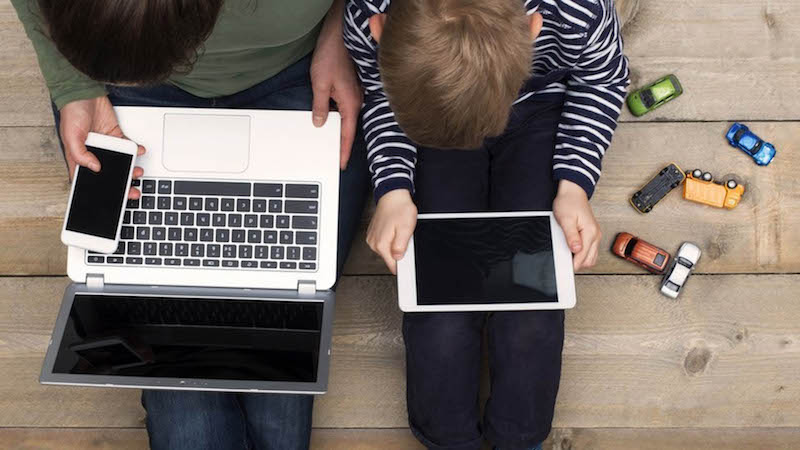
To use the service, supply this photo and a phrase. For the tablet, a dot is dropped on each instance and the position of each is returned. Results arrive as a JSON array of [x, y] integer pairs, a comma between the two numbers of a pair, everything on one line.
[[486, 262]]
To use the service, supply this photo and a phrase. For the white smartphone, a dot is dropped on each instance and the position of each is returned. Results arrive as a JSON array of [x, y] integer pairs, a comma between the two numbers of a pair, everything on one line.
[[486, 262], [97, 200]]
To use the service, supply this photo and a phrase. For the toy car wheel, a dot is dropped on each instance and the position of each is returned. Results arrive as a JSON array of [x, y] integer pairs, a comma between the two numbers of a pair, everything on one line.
[[732, 184], [707, 176], [675, 184], [697, 173]]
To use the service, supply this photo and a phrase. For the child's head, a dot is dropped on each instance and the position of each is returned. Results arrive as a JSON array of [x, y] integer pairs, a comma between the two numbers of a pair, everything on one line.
[[453, 68]]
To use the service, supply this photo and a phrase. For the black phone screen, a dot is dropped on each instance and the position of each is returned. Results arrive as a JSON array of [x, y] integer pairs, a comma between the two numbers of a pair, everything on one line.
[[99, 197], [485, 261]]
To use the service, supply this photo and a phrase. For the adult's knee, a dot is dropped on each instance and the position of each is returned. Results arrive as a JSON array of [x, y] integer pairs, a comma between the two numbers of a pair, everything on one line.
[[196, 420]]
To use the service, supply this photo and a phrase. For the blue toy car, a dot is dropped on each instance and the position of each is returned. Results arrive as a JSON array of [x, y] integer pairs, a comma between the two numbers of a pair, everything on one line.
[[741, 137]]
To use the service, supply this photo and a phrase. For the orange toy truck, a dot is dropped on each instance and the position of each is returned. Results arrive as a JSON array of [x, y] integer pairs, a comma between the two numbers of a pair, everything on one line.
[[699, 187]]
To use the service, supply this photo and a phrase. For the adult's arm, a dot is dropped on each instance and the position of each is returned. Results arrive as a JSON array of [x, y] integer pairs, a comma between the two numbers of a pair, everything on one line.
[[66, 84]]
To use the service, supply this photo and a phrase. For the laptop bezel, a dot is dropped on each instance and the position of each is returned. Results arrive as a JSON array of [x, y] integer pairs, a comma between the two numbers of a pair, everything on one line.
[[320, 386]]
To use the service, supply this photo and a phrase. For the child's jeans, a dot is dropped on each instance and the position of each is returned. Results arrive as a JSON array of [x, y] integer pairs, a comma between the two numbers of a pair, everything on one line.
[[443, 350]]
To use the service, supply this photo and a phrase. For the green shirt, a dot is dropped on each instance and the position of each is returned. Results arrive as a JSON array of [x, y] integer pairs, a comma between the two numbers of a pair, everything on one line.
[[252, 41]]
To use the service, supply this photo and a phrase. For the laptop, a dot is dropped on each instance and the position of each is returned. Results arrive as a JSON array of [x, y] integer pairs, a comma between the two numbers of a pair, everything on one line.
[[222, 279]]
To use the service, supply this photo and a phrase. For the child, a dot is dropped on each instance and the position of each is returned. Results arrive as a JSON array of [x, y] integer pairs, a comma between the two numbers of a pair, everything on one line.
[[485, 105]]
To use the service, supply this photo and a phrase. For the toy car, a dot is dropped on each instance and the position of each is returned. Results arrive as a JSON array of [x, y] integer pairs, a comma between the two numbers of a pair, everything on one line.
[[641, 253], [699, 187], [651, 193], [741, 137], [654, 95], [676, 277]]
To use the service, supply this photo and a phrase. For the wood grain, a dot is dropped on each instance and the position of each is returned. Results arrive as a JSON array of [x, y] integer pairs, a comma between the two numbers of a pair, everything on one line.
[[758, 236], [670, 439], [725, 354], [735, 59], [136, 438], [402, 439]]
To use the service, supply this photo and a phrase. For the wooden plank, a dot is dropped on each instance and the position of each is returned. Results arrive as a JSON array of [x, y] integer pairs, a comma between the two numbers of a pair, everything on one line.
[[136, 438], [735, 59], [668, 439], [751, 76], [758, 236], [725, 355], [402, 439], [364, 439], [24, 99]]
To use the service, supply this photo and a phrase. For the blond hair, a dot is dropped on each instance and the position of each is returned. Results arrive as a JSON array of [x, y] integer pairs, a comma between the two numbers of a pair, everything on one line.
[[452, 69]]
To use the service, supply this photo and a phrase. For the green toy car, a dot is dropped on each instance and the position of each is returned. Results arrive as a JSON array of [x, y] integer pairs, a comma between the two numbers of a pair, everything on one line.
[[654, 95]]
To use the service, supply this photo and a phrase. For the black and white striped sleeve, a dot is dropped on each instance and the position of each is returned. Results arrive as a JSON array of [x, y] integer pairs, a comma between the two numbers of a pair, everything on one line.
[[391, 155], [595, 93]]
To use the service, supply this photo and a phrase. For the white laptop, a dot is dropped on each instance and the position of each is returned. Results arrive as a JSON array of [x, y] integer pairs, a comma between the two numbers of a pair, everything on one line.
[[223, 277]]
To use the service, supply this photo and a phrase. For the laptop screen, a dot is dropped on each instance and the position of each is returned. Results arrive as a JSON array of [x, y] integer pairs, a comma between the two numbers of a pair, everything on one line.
[[199, 338]]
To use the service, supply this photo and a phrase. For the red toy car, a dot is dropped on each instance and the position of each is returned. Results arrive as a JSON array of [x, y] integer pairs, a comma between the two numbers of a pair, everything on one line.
[[641, 253]]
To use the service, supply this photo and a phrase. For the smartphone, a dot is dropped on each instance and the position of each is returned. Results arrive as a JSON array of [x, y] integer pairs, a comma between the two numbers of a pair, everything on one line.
[[97, 200]]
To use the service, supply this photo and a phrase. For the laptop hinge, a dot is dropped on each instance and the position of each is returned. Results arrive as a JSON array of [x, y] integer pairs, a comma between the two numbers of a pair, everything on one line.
[[306, 288], [95, 282]]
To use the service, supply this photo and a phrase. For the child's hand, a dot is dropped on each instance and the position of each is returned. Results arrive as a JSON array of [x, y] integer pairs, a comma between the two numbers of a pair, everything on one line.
[[574, 214], [392, 226]]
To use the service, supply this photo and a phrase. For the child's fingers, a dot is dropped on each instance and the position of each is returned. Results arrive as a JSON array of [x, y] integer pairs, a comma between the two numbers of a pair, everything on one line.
[[591, 259], [400, 242], [570, 228], [579, 258], [385, 252]]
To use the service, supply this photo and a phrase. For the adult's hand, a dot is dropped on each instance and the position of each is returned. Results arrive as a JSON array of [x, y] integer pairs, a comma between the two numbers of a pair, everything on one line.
[[333, 77], [392, 226], [80, 117], [574, 213]]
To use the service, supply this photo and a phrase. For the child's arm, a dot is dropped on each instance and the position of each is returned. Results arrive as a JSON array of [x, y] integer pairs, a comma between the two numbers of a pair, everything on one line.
[[392, 226], [391, 155], [595, 94]]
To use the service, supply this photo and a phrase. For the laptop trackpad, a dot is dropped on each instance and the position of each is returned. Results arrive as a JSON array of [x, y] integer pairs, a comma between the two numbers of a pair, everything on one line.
[[206, 143]]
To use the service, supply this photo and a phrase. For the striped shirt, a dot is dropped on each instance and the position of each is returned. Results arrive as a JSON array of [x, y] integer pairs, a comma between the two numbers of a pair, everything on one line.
[[578, 58]]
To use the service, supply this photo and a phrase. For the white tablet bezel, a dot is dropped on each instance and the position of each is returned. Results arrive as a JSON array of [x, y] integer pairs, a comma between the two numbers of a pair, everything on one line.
[[88, 241], [565, 277]]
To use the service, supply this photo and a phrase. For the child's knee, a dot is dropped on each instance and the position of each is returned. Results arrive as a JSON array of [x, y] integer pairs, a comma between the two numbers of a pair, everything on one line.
[[522, 331]]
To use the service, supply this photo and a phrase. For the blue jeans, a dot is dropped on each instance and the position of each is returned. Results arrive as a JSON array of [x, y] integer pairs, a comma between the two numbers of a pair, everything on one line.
[[513, 172], [213, 420]]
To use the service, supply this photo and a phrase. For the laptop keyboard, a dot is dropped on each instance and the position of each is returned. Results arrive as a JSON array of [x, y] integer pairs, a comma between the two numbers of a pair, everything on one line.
[[219, 225]]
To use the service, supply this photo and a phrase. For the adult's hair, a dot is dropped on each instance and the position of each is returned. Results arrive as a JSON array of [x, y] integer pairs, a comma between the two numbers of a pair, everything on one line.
[[452, 69], [129, 41]]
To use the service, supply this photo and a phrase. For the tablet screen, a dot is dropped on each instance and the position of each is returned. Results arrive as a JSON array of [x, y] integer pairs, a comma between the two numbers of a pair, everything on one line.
[[484, 261]]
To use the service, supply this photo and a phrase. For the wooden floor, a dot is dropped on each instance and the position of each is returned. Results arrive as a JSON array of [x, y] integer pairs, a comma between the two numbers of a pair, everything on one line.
[[716, 369]]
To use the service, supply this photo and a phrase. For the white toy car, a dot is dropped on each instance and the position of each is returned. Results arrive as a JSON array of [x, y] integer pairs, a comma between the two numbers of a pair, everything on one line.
[[676, 277]]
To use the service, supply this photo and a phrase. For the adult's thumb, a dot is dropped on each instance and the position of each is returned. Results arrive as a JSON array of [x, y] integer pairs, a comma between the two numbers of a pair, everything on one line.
[[76, 148], [320, 107]]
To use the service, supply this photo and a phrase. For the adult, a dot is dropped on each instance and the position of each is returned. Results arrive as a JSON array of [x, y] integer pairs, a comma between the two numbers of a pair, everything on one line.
[[256, 54]]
